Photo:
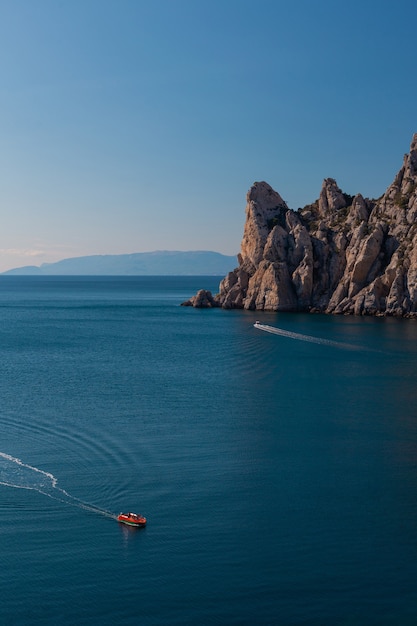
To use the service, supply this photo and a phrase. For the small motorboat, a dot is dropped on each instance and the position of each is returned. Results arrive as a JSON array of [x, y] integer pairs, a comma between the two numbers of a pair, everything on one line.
[[132, 519]]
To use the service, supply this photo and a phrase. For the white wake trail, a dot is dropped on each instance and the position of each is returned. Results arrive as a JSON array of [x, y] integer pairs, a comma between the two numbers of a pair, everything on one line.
[[19, 475], [301, 337]]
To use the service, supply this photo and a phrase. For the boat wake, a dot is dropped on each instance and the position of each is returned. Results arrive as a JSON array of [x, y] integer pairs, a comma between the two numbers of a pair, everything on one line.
[[15, 473], [309, 338]]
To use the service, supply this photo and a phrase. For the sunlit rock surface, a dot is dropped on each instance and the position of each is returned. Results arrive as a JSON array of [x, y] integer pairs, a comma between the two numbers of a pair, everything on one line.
[[341, 254]]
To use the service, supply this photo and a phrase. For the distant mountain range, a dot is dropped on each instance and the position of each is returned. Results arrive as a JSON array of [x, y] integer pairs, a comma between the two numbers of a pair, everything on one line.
[[159, 263]]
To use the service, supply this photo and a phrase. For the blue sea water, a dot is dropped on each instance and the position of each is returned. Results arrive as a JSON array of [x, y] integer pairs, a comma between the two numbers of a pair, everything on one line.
[[278, 472]]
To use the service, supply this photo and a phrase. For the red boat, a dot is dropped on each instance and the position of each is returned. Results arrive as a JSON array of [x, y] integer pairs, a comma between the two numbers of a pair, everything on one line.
[[132, 519]]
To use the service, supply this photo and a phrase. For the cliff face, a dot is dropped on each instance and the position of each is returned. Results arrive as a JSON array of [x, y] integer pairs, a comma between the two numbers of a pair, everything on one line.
[[341, 254]]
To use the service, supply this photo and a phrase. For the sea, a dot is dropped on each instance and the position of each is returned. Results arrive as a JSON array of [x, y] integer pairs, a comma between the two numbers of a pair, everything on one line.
[[276, 464]]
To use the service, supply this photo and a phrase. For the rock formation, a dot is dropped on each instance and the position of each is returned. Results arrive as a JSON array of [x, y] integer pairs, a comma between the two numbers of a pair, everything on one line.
[[202, 300], [341, 254]]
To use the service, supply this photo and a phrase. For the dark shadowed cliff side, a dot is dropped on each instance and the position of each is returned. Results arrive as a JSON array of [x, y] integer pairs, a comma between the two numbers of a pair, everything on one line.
[[341, 254]]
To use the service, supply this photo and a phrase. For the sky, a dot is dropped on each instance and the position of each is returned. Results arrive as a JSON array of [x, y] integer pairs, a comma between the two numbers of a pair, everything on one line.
[[132, 125]]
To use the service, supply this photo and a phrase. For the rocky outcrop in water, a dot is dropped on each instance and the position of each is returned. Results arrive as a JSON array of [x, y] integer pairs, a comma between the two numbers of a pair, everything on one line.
[[202, 300], [341, 254]]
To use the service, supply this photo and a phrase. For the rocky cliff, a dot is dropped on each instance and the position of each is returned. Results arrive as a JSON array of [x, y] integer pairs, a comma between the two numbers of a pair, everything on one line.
[[341, 254]]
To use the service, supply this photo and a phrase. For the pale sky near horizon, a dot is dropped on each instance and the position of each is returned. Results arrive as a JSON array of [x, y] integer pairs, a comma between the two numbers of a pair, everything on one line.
[[132, 126]]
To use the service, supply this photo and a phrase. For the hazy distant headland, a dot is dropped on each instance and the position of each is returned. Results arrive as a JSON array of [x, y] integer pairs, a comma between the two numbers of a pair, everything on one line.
[[341, 254], [159, 263]]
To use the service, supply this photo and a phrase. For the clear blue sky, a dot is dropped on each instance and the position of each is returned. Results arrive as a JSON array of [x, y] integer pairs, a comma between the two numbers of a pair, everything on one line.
[[130, 126]]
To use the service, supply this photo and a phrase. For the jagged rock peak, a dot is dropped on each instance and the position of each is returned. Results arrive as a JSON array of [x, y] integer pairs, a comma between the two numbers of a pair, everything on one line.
[[341, 254], [264, 209], [263, 194], [331, 197]]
